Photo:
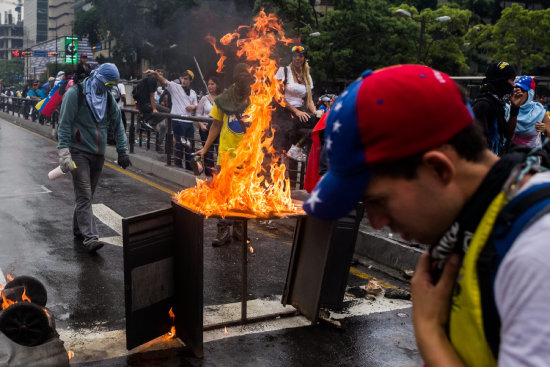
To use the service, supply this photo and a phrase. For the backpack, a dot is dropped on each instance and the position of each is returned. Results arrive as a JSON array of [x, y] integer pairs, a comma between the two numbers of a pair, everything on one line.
[[80, 89]]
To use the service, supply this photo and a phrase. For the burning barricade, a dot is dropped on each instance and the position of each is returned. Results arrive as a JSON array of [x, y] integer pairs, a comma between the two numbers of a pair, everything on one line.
[[27, 328]]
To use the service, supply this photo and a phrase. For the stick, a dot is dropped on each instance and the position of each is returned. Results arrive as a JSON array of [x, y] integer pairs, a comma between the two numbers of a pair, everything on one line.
[[200, 73]]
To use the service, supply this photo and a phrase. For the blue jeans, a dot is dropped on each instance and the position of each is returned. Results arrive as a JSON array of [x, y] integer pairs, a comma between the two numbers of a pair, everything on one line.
[[185, 129]]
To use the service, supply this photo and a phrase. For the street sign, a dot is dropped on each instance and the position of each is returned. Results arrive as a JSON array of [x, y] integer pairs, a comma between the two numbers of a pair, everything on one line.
[[40, 53], [71, 50]]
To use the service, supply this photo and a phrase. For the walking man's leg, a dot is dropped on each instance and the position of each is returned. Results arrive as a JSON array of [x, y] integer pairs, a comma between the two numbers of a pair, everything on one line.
[[85, 178]]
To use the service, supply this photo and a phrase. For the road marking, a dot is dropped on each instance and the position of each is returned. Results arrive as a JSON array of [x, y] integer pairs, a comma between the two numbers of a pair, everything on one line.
[[96, 345], [26, 191], [111, 219], [2, 279]]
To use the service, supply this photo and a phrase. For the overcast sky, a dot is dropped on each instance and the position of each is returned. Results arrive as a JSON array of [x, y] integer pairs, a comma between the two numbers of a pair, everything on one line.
[[6, 5]]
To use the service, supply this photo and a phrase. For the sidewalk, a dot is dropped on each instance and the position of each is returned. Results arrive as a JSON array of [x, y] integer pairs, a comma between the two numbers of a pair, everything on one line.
[[378, 246]]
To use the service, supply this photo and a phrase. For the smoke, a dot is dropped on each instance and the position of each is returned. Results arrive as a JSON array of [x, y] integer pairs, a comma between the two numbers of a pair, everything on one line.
[[184, 37]]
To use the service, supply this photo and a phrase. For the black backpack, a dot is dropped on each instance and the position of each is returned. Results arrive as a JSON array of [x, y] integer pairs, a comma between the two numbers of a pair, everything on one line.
[[139, 90]]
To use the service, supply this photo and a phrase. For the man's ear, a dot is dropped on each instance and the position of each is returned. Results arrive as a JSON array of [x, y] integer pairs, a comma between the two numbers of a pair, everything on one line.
[[440, 164]]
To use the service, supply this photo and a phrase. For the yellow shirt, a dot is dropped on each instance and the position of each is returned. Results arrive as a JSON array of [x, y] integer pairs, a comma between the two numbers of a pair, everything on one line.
[[231, 133]]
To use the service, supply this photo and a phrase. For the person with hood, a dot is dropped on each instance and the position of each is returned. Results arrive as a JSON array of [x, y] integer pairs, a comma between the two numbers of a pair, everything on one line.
[[227, 112], [489, 105], [532, 119], [87, 110]]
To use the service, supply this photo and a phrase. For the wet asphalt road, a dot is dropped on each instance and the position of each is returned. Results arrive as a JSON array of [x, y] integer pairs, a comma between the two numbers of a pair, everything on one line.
[[85, 291]]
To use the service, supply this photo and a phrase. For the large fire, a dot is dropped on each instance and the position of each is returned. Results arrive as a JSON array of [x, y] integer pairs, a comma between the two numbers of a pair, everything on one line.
[[248, 185]]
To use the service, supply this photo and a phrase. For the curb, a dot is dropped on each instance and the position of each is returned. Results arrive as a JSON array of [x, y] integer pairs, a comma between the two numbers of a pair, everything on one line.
[[370, 244]]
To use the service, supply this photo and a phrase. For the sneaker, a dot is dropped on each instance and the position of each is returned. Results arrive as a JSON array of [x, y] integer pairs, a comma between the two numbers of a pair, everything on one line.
[[296, 153], [93, 246], [186, 142], [147, 125], [223, 236]]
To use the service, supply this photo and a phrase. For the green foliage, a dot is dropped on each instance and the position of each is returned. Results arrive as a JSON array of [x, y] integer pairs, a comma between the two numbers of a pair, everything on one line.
[[520, 37], [88, 24], [11, 71]]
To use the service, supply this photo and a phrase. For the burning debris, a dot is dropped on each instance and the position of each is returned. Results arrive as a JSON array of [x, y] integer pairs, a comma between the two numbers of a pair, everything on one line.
[[250, 184], [27, 329]]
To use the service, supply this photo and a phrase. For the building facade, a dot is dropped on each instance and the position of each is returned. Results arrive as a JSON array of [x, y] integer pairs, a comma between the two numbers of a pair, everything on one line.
[[60, 18], [11, 37]]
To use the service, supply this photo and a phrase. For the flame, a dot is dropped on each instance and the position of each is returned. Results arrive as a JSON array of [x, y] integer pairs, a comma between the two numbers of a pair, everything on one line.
[[172, 333], [70, 354], [10, 278], [6, 302], [251, 249], [225, 329], [241, 187]]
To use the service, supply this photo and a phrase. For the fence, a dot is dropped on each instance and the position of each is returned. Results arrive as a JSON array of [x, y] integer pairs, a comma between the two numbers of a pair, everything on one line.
[[141, 134]]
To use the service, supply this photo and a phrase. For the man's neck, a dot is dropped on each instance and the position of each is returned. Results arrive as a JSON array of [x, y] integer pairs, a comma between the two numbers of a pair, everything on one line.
[[472, 174]]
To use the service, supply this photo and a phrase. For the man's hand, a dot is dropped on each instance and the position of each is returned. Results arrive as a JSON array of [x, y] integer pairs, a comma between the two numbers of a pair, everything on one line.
[[65, 160], [540, 127], [201, 152], [191, 108], [204, 127], [124, 160], [515, 98]]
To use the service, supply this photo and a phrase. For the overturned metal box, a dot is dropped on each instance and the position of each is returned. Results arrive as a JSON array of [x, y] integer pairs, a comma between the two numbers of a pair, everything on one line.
[[164, 262]]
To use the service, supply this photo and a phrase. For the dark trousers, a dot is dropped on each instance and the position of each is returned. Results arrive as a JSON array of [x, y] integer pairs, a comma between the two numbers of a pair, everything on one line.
[[186, 130], [85, 178], [158, 122]]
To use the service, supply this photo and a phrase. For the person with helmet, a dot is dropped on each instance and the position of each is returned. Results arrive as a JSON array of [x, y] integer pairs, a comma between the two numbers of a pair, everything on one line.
[[404, 141], [489, 105]]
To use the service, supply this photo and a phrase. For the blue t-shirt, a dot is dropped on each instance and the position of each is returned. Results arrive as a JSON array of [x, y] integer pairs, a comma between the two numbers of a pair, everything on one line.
[[39, 93]]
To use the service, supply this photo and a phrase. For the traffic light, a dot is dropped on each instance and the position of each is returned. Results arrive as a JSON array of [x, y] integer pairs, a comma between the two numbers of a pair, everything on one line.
[[52, 54], [25, 53], [16, 53]]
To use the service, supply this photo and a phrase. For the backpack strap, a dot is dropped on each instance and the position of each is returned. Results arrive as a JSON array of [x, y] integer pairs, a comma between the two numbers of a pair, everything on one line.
[[524, 210]]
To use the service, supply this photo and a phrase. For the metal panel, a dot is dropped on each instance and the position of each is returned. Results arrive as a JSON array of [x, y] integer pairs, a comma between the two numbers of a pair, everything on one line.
[[188, 275], [148, 246], [306, 269]]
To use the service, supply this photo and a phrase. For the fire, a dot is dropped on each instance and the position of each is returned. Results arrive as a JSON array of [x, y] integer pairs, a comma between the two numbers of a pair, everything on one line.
[[172, 333], [225, 329], [242, 187], [6, 302], [251, 249], [70, 354], [10, 278]]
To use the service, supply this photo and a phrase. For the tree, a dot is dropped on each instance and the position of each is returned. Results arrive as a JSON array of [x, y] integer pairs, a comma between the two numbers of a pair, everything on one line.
[[12, 71], [520, 37]]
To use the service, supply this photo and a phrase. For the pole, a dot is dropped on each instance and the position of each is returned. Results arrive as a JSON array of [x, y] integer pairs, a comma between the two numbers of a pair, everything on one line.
[[421, 40], [200, 73]]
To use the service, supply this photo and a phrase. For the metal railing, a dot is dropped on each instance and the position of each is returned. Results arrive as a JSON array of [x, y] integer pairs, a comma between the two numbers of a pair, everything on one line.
[[141, 135]]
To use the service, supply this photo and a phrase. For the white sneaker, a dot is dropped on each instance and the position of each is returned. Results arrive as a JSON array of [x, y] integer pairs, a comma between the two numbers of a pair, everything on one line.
[[296, 153]]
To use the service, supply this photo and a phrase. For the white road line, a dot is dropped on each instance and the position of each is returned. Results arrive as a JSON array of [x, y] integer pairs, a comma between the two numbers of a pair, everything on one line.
[[93, 345], [111, 219], [26, 191], [2, 279]]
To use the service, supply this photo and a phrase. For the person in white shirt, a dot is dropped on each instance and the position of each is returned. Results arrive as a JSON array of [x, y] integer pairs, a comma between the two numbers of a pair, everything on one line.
[[184, 102]]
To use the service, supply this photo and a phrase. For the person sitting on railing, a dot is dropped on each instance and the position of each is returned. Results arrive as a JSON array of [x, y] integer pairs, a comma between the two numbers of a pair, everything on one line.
[[144, 94]]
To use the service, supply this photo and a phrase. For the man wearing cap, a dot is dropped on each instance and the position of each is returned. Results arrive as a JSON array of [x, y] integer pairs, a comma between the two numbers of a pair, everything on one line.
[[87, 110], [35, 95], [489, 105], [404, 141], [83, 69], [184, 102]]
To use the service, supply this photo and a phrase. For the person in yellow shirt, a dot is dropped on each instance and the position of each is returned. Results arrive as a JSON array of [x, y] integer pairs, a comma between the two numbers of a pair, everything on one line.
[[227, 112]]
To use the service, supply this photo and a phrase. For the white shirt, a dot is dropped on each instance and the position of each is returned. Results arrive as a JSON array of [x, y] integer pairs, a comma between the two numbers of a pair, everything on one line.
[[205, 106], [122, 91], [522, 294], [295, 93], [180, 100]]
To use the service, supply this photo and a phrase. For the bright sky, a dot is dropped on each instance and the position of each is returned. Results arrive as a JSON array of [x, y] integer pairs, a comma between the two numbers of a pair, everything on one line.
[[6, 5]]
